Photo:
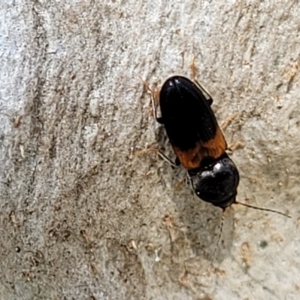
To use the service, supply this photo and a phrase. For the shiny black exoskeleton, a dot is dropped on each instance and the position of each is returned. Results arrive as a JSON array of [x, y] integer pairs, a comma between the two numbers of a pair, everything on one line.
[[197, 140], [216, 181]]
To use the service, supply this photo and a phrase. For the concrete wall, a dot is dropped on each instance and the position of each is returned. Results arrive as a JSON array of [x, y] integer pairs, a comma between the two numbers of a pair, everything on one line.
[[81, 215]]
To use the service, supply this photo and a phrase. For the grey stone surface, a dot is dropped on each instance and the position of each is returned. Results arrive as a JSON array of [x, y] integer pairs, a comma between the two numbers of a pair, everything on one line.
[[82, 215]]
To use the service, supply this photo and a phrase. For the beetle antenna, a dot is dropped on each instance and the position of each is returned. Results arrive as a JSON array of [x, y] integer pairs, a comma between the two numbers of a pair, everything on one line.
[[261, 208], [219, 236]]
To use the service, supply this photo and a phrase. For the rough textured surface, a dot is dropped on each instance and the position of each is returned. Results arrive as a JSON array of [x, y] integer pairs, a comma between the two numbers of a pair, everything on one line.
[[82, 216]]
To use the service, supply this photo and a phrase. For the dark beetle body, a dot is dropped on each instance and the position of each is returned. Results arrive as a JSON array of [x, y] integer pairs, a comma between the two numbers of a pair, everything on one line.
[[197, 140]]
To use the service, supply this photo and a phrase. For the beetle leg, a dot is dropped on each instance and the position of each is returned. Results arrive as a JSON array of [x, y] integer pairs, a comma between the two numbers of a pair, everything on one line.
[[236, 145], [200, 86], [166, 158], [154, 100], [159, 153], [194, 69], [227, 121]]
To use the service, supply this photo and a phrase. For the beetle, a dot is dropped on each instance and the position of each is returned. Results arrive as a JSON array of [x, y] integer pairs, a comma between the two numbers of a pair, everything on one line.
[[197, 140]]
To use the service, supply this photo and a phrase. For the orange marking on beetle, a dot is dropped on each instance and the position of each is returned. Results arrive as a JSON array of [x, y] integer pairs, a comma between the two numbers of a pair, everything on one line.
[[192, 158]]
